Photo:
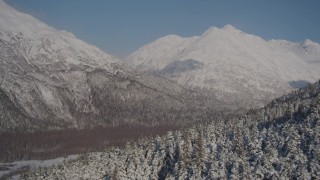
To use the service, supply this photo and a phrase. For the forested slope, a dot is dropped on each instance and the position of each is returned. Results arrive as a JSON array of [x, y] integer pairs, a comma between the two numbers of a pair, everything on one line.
[[280, 140]]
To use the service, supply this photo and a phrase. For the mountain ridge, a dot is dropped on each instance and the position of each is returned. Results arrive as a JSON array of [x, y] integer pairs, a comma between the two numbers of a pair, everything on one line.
[[56, 79], [233, 61]]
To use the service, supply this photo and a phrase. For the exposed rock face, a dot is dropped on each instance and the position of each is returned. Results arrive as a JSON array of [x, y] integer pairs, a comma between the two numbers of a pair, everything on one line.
[[236, 66]]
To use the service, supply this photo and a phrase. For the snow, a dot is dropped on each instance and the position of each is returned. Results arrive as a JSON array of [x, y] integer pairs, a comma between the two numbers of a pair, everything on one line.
[[33, 164], [261, 144], [75, 51], [38, 58], [164, 50], [232, 57]]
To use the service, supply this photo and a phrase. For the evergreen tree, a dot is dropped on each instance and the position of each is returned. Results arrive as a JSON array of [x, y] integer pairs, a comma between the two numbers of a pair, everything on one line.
[[115, 174], [200, 154]]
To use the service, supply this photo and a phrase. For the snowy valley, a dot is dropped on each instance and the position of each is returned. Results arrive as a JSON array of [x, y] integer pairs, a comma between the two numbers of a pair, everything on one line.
[[279, 141]]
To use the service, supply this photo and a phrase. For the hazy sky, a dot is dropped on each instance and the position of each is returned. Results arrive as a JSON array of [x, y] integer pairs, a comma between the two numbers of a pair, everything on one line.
[[120, 27]]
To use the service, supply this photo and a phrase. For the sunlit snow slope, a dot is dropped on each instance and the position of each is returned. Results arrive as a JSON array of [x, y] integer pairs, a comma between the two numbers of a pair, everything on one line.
[[236, 66]]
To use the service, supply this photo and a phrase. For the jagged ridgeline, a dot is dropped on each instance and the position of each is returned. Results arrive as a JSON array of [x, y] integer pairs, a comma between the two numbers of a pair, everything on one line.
[[279, 141]]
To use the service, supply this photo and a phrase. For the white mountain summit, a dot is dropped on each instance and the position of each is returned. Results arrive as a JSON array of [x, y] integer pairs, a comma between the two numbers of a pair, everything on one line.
[[234, 65]]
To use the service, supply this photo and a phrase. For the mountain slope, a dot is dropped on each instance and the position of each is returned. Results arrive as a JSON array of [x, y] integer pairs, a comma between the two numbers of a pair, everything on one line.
[[9, 111], [234, 65], [278, 141], [56, 79]]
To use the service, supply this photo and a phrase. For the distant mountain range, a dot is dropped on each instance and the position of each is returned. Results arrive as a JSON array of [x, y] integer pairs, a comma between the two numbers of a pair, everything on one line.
[[235, 66], [50, 79]]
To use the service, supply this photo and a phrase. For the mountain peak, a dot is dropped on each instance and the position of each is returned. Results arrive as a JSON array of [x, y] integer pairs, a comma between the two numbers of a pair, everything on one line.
[[169, 39], [172, 37], [308, 42], [211, 30], [228, 55], [229, 27], [12, 20], [311, 47], [3, 4]]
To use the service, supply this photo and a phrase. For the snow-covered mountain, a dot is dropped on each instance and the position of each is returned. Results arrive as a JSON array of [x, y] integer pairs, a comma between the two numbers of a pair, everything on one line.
[[37, 59], [234, 65], [55, 80]]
